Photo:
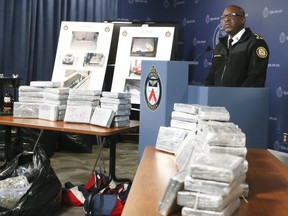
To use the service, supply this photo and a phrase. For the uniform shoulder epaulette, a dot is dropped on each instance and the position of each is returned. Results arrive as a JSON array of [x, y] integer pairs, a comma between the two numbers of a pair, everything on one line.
[[258, 37]]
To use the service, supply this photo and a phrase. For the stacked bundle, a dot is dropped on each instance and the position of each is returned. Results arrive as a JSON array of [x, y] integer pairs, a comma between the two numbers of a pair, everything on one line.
[[120, 104], [213, 185], [54, 104], [30, 98], [206, 131], [185, 116], [80, 105]]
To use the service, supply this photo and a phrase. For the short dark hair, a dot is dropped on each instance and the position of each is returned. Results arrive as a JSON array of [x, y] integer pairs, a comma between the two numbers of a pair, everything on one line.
[[241, 10]]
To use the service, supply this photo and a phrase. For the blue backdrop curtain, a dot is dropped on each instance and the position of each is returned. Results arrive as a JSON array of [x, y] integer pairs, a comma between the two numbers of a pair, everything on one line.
[[29, 31]]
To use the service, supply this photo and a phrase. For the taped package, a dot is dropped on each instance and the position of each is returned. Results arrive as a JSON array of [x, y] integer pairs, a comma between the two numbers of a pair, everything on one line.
[[116, 107], [94, 103], [45, 84], [121, 123], [86, 92], [186, 108], [191, 126], [37, 94], [185, 150], [115, 100], [53, 96], [169, 139], [102, 117], [181, 116], [212, 187], [209, 202], [237, 151], [83, 97], [125, 112], [213, 113], [48, 112], [217, 167], [168, 203], [58, 91], [121, 118], [229, 210], [26, 110], [116, 94], [30, 99], [26, 88], [78, 114], [220, 135]]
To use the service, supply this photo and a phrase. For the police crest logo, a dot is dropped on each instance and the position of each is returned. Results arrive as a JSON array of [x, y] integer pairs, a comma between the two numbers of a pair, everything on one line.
[[261, 52], [153, 89]]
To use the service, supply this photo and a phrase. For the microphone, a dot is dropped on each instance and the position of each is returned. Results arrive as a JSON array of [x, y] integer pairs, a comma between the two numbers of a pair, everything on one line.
[[208, 48]]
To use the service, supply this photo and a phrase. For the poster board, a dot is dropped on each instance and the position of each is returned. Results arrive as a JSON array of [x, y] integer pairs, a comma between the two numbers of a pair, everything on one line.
[[82, 54], [136, 44]]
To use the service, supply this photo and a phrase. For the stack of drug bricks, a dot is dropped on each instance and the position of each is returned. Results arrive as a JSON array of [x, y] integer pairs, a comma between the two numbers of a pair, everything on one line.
[[210, 154]]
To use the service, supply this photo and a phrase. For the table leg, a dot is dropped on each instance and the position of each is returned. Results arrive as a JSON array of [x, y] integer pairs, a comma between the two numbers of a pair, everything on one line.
[[100, 143], [112, 164], [112, 158], [8, 144]]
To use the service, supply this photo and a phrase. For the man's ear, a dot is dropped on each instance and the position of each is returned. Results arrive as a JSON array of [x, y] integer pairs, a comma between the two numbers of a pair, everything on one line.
[[243, 20]]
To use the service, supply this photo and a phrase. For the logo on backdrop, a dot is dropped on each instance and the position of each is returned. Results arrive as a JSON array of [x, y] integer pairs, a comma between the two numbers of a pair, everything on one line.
[[279, 92], [266, 12], [138, 1], [153, 89], [218, 32], [283, 38]]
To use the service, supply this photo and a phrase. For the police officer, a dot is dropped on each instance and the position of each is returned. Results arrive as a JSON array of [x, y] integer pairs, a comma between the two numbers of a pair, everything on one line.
[[240, 59]]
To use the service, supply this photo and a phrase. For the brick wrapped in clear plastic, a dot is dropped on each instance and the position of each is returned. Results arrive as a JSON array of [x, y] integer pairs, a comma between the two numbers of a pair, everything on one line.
[[229, 210], [102, 117], [83, 97], [212, 187], [116, 94], [222, 135], [48, 112], [86, 92], [169, 139], [209, 202], [116, 107], [26, 110], [213, 113], [191, 126], [45, 84], [187, 108], [115, 100], [168, 203], [217, 167], [78, 114], [26, 88], [185, 150], [121, 123], [181, 116], [237, 151]]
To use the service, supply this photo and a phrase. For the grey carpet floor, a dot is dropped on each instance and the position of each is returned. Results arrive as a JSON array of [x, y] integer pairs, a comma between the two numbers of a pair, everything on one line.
[[77, 167]]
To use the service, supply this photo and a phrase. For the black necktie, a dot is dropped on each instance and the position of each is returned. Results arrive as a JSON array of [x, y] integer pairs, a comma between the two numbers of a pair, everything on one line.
[[230, 42]]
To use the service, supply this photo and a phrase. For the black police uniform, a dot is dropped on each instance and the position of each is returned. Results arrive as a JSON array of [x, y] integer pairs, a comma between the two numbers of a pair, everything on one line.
[[242, 65]]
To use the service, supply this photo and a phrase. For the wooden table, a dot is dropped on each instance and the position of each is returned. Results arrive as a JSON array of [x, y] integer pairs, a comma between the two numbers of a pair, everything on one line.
[[267, 178], [10, 121]]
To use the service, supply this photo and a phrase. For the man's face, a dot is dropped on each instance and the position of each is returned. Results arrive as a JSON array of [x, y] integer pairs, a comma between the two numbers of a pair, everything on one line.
[[232, 20]]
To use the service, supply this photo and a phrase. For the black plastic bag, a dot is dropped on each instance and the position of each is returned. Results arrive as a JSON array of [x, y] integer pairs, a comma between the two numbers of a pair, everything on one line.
[[44, 195], [73, 142]]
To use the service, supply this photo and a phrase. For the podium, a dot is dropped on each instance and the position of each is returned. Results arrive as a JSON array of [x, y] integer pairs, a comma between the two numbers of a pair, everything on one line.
[[248, 107], [173, 76]]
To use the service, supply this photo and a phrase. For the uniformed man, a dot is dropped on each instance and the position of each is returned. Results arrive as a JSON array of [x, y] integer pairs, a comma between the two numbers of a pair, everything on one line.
[[242, 62]]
